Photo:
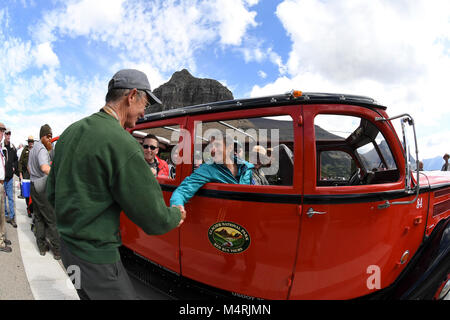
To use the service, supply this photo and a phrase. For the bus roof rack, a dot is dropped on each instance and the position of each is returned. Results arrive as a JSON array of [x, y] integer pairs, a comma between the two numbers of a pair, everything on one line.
[[267, 101]]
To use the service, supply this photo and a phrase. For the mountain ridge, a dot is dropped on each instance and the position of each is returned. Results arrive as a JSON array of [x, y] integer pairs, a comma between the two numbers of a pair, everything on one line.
[[183, 89]]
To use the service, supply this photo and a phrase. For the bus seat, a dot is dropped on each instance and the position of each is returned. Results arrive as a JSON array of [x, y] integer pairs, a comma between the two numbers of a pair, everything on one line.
[[285, 165]]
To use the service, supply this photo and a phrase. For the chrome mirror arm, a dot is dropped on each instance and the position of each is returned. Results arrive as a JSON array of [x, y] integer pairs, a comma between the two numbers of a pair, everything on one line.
[[406, 118]]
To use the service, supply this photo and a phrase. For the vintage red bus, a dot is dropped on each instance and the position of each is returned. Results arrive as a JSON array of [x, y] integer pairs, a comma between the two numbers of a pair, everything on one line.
[[342, 215]]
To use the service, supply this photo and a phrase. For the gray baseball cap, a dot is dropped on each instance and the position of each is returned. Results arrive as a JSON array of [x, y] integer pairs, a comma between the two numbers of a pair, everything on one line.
[[130, 79]]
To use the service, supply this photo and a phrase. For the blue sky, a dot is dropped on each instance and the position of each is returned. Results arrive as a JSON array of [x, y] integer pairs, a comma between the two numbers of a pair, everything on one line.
[[56, 57]]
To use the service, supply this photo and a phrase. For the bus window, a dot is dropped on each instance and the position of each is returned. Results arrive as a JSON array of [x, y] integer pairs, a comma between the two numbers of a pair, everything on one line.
[[352, 151], [265, 142], [336, 167]]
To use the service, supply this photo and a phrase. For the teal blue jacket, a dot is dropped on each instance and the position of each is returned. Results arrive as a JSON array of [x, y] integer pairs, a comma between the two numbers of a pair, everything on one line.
[[210, 173]]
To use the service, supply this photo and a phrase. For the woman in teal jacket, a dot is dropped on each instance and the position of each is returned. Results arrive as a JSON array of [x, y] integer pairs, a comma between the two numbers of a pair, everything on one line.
[[225, 169]]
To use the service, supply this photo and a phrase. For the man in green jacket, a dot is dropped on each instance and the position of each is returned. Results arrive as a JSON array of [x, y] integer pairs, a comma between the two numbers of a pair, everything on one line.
[[99, 170]]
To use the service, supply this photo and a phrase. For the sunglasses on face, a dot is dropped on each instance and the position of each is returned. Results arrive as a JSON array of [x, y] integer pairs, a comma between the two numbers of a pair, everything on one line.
[[146, 146]]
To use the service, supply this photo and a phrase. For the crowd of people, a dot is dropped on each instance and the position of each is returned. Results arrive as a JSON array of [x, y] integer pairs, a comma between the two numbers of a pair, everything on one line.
[[32, 163]]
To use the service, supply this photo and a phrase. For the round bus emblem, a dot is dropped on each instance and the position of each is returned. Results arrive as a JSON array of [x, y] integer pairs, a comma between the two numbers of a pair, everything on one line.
[[229, 237]]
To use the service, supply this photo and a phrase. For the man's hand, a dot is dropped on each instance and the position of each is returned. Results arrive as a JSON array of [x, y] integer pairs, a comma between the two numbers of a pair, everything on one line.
[[183, 213]]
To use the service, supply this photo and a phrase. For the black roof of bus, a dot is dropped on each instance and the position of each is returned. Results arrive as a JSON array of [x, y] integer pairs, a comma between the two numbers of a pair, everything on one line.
[[267, 101]]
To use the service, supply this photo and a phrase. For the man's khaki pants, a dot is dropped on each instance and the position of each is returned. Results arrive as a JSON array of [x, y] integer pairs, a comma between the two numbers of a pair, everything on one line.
[[2, 218]]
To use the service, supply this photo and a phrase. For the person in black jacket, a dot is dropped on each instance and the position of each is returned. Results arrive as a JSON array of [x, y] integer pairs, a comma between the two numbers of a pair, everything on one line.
[[4, 242], [10, 153]]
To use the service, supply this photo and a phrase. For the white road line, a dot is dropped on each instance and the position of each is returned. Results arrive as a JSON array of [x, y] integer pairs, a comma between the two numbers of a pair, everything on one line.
[[47, 279]]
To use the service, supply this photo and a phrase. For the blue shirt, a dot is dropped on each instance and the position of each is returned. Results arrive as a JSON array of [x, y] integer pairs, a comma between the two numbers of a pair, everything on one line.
[[210, 173]]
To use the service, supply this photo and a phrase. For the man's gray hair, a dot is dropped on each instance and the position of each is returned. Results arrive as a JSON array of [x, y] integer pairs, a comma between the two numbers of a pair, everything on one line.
[[115, 94]]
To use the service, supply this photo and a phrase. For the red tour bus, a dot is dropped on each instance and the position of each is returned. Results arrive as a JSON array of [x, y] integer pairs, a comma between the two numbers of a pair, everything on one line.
[[343, 213]]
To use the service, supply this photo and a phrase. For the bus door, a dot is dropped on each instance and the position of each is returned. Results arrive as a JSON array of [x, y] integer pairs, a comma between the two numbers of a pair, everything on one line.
[[243, 238], [351, 243], [163, 249]]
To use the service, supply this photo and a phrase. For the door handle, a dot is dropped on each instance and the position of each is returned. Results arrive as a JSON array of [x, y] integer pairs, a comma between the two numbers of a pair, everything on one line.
[[311, 212]]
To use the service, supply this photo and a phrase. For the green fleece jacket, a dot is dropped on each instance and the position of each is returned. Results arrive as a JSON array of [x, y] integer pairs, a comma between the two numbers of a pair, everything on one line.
[[98, 170]]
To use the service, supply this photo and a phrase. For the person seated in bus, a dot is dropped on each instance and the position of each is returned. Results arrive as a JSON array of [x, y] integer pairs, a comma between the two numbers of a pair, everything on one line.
[[197, 159], [158, 166], [224, 168], [261, 159], [238, 150]]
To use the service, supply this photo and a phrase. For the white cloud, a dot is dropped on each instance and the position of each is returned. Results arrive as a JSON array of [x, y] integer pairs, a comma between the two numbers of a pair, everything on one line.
[[355, 39], [15, 57], [251, 2], [431, 143], [165, 34], [262, 74], [281, 85], [154, 76], [254, 51], [80, 18], [157, 37], [253, 54], [56, 99], [396, 52], [233, 18], [45, 56], [23, 126]]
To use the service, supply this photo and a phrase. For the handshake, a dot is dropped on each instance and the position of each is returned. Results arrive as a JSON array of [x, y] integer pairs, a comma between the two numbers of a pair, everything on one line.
[[183, 213]]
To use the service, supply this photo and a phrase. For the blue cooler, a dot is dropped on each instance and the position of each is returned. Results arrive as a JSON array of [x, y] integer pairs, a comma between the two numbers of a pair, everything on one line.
[[26, 188]]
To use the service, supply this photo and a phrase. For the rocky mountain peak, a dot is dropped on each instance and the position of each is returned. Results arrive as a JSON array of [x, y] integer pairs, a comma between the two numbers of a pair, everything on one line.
[[181, 76], [183, 89]]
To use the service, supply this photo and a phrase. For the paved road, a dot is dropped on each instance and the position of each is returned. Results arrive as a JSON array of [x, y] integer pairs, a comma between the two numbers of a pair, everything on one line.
[[13, 279], [30, 275]]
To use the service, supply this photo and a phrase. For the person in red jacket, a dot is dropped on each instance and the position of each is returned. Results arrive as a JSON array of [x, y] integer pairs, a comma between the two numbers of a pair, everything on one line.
[[158, 166]]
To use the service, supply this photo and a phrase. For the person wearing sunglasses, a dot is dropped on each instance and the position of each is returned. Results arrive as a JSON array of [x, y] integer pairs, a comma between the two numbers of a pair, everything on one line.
[[158, 166]]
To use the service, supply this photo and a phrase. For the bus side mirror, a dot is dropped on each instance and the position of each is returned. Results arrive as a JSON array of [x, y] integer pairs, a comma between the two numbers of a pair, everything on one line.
[[406, 119], [406, 147]]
